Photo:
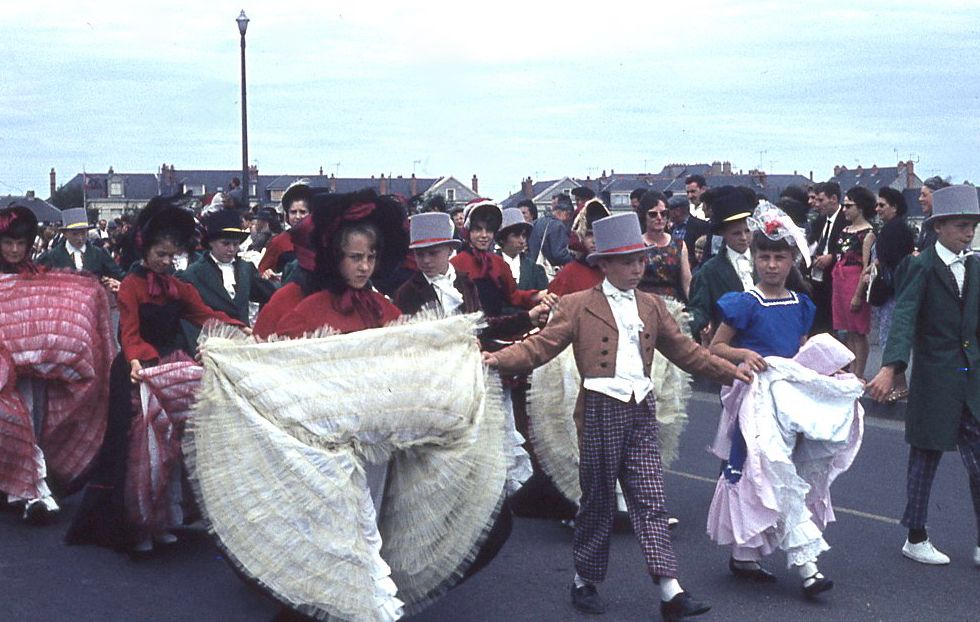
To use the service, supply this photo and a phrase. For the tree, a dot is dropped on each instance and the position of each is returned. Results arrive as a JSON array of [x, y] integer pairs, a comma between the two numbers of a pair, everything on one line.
[[66, 197]]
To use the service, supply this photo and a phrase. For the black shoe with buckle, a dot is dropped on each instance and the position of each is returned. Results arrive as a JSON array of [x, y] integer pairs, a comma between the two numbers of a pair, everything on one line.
[[816, 584], [587, 600], [682, 606], [754, 573]]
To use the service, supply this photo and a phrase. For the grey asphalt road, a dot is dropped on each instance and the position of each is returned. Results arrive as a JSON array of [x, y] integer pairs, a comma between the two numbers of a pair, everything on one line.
[[44, 580]]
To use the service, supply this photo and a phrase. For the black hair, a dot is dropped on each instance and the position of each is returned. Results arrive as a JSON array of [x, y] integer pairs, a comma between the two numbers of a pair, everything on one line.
[[23, 224], [894, 198], [582, 193], [864, 199], [696, 179], [637, 194], [564, 202], [796, 193], [935, 183], [531, 207], [829, 189], [648, 201], [327, 273]]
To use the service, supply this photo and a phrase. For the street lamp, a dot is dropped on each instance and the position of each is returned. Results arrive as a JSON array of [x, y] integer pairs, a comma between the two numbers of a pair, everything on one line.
[[242, 27]]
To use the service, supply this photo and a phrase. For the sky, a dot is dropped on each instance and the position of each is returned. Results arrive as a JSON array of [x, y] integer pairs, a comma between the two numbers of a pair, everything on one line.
[[504, 90]]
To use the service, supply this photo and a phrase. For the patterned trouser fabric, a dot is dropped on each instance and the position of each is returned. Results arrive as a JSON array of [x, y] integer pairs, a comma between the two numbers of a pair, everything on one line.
[[922, 469], [620, 442]]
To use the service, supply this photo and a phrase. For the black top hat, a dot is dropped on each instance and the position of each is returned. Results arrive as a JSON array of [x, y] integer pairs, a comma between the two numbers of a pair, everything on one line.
[[224, 224], [728, 204], [333, 212]]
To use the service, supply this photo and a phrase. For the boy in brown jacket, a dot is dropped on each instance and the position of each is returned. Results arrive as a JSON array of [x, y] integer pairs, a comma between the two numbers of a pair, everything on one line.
[[613, 330]]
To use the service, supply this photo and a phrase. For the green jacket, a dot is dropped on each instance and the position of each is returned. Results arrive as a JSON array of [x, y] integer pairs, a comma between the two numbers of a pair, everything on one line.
[[94, 260], [940, 329], [714, 278]]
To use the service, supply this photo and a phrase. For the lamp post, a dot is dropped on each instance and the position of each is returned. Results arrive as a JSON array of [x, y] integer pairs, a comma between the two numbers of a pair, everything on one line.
[[242, 27]]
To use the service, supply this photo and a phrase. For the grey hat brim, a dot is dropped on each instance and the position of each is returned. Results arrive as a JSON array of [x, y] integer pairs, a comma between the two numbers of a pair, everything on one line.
[[524, 226], [928, 222], [592, 258], [452, 242]]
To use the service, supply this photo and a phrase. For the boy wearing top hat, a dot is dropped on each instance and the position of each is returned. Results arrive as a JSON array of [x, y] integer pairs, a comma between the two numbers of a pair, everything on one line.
[[225, 282], [936, 318], [731, 270], [76, 253], [512, 242], [613, 330]]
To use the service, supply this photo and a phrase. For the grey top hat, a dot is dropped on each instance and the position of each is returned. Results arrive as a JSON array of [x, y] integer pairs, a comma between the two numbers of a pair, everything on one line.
[[954, 202], [74, 219], [431, 229], [513, 222], [618, 234]]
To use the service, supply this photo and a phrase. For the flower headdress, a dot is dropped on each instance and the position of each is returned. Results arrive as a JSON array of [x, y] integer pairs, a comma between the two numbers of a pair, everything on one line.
[[776, 225]]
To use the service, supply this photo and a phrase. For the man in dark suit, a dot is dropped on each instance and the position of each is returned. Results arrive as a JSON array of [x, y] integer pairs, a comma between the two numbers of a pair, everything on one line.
[[825, 242], [684, 226], [226, 282], [76, 253], [937, 320]]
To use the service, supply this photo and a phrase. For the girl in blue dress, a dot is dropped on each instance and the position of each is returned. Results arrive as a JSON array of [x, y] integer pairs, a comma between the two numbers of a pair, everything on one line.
[[771, 319]]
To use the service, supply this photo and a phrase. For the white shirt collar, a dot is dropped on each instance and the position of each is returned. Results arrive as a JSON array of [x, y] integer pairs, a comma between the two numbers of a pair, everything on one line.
[[450, 274], [733, 256], [947, 256], [71, 248], [227, 264]]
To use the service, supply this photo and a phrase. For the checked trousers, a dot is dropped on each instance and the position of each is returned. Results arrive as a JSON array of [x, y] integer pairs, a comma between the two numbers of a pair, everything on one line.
[[922, 469], [620, 442]]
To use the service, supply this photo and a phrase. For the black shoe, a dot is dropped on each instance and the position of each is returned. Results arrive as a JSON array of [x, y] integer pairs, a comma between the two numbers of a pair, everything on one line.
[[587, 600], [819, 585], [757, 574], [682, 606]]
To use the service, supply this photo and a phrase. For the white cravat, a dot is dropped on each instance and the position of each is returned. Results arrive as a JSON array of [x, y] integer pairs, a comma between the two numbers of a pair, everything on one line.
[[629, 381], [227, 275], [742, 262], [449, 297], [77, 254], [514, 263], [956, 263]]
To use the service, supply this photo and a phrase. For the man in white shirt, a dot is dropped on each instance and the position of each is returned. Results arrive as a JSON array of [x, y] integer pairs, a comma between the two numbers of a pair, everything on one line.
[[825, 242]]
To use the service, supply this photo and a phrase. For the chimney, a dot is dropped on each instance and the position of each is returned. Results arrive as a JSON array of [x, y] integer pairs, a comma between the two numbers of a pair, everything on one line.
[[54, 181], [603, 174], [383, 185], [475, 184], [726, 168], [528, 188], [874, 169], [111, 172], [413, 185], [811, 175], [321, 171], [716, 168], [333, 183], [909, 174], [253, 172], [29, 195], [837, 170], [859, 170]]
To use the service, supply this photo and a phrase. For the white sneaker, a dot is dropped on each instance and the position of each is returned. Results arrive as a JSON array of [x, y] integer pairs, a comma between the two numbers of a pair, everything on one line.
[[976, 556], [924, 553]]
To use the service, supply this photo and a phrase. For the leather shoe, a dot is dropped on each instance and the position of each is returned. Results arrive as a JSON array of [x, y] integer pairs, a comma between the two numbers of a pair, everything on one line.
[[755, 573], [682, 606], [816, 584], [587, 600], [924, 553]]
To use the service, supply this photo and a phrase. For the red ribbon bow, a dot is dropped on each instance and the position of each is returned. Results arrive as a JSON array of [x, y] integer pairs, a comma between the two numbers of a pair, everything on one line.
[[357, 211], [772, 227], [161, 285], [363, 303]]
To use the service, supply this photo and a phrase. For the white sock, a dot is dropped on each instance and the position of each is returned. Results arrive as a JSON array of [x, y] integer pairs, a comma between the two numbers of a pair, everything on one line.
[[807, 569], [669, 588], [620, 498], [580, 582]]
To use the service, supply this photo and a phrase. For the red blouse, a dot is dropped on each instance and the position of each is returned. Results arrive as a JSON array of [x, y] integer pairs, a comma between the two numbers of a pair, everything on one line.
[[282, 243], [282, 302], [500, 274], [318, 310], [133, 292], [575, 276]]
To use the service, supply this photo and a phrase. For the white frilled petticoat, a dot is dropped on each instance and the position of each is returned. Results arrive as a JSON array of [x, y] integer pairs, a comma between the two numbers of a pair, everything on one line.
[[802, 428], [551, 402], [281, 438]]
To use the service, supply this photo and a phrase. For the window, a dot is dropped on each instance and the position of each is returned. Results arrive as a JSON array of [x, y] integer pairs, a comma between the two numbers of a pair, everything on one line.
[[450, 194], [620, 199], [116, 188]]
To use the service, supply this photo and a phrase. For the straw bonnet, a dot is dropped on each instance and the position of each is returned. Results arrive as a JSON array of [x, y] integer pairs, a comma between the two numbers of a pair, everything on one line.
[[431, 229], [484, 208], [299, 190], [618, 234]]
